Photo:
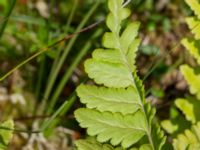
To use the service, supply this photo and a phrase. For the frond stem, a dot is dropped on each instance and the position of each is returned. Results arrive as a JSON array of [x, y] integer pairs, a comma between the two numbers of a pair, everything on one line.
[[148, 132]]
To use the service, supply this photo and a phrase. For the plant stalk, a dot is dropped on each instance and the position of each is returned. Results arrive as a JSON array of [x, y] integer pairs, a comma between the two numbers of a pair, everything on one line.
[[8, 13]]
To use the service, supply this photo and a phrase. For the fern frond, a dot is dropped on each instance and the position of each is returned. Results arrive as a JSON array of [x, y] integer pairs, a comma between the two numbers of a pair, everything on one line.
[[194, 25], [176, 125], [190, 108], [6, 133], [158, 137], [193, 46], [169, 126], [190, 140], [92, 144], [187, 106], [195, 6], [117, 61], [117, 111], [192, 79], [190, 105], [157, 134]]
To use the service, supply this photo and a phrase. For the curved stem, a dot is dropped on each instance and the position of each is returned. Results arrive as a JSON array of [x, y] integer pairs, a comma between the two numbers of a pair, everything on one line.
[[148, 132]]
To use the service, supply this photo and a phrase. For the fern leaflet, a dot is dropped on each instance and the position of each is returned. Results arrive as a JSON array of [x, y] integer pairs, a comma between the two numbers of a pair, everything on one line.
[[190, 140], [6, 133], [194, 5]]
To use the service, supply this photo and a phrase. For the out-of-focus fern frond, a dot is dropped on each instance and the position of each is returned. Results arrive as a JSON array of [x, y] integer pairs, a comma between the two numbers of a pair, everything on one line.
[[189, 106], [195, 6], [194, 25], [192, 79], [189, 140], [193, 46], [6, 133]]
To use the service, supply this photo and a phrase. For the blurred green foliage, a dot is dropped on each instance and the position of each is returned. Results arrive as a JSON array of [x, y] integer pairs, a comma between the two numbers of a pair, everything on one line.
[[31, 28]]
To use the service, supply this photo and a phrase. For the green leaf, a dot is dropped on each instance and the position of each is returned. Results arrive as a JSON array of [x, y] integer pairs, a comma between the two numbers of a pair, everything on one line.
[[140, 88], [124, 13], [117, 111], [131, 54], [92, 144], [115, 5], [108, 55], [194, 25], [143, 147], [109, 74], [193, 48], [158, 137], [112, 23], [169, 126], [175, 126], [156, 133], [146, 147], [189, 140], [129, 35], [192, 79], [195, 6], [190, 108], [118, 13], [6, 133], [126, 130], [110, 40], [121, 100]]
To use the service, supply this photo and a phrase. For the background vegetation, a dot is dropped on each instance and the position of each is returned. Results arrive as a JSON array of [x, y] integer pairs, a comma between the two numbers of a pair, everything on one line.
[[41, 93]]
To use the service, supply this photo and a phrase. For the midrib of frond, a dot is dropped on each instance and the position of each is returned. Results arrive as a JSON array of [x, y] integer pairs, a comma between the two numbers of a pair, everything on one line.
[[120, 47], [117, 126], [113, 100]]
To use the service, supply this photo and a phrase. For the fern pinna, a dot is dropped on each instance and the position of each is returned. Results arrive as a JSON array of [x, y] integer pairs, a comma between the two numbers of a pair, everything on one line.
[[189, 106], [117, 112], [6, 133]]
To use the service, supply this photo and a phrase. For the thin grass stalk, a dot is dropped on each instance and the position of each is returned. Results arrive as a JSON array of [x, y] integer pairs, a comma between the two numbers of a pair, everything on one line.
[[70, 70], [8, 13], [64, 55], [64, 107], [56, 61]]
